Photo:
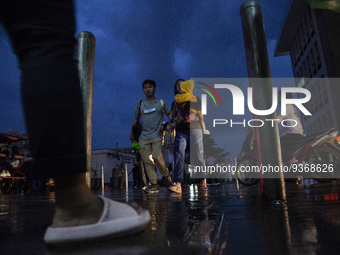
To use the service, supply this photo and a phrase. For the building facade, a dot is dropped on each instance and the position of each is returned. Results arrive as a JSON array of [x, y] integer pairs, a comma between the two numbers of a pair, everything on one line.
[[311, 38], [107, 159]]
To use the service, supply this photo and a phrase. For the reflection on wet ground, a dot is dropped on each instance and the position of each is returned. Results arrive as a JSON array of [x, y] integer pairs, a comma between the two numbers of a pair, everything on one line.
[[226, 220]]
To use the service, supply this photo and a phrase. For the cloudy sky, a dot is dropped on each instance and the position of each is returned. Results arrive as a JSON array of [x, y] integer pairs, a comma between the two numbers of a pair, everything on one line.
[[160, 40]]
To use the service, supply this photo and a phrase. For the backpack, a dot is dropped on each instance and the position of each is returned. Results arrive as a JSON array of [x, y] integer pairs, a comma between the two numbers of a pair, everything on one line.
[[137, 127]]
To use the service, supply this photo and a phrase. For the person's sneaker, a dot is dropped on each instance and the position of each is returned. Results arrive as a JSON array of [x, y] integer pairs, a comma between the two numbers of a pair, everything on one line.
[[203, 185], [152, 189], [3, 173], [177, 188], [144, 188]]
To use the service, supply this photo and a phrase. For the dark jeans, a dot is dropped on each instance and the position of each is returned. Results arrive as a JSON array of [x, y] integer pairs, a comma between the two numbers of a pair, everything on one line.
[[42, 34], [185, 139]]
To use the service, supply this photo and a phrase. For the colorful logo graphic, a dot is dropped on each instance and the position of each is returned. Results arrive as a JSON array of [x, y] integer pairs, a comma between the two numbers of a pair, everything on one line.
[[209, 93]]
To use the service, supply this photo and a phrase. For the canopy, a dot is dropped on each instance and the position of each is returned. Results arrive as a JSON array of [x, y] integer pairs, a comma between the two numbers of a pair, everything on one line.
[[8, 138]]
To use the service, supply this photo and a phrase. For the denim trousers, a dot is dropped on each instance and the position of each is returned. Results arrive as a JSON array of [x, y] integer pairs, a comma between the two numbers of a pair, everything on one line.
[[192, 139], [42, 35]]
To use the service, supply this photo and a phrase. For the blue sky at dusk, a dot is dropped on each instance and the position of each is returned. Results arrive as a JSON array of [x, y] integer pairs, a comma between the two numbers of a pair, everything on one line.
[[160, 40]]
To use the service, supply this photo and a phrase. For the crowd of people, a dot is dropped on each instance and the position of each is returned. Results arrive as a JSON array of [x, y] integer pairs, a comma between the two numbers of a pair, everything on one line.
[[186, 117]]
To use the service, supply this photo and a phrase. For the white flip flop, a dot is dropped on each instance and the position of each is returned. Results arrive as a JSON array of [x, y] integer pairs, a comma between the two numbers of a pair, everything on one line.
[[117, 220]]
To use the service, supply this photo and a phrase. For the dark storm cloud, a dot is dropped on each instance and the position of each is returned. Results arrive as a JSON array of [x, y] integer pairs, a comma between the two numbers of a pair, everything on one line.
[[160, 40], [11, 115]]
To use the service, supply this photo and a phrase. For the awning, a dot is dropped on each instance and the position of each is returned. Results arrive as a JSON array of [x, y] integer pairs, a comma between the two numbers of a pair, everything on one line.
[[8, 138]]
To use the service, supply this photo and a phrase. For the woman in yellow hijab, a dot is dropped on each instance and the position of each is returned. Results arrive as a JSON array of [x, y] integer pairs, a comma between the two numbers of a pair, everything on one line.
[[188, 119]]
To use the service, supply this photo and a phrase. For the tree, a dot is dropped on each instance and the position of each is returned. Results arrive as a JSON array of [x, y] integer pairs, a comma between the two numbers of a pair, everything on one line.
[[212, 150]]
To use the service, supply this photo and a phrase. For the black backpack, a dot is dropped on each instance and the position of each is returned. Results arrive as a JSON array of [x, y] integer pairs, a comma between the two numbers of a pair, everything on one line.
[[137, 128]]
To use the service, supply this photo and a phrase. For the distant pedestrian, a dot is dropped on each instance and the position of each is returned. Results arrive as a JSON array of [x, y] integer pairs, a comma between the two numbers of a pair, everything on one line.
[[249, 144], [151, 111], [142, 178], [290, 134], [135, 176]]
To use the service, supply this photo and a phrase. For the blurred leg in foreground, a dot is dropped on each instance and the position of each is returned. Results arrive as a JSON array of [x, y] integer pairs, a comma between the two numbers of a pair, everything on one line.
[[42, 34]]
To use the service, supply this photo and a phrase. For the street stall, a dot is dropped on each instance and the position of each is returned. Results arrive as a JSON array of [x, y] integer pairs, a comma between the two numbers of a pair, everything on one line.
[[14, 169]]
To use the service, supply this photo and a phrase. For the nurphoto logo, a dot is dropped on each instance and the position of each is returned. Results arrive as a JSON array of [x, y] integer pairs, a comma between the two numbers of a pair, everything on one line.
[[238, 103]]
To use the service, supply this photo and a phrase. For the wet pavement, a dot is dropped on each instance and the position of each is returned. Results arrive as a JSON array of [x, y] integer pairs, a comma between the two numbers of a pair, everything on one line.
[[226, 220]]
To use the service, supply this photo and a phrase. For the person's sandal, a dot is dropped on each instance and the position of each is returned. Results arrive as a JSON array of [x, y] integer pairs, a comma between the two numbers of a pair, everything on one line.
[[117, 220]]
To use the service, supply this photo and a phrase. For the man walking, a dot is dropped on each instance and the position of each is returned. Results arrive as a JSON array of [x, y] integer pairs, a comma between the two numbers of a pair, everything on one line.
[[151, 112]]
